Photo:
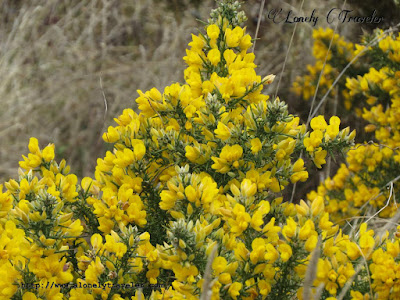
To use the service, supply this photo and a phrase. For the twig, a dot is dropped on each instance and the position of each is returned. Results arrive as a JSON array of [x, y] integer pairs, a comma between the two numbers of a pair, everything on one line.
[[206, 294], [386, 205], [105, 100], [287, 55], [319, 292], [311, 270], [390, 183], [335, 104], [277, 89], [258, 24], [310, 114], [105, 109]]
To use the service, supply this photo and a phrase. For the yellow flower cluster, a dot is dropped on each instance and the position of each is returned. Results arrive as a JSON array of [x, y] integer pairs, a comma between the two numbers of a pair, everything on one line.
[[340, 54], [366, 183], [366, 186], [316, 141], [38, 226], [381, 91]]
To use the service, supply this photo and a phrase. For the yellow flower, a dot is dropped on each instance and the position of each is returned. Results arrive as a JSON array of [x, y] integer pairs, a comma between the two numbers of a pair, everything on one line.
[[241, 252], [234, 289], [233, 37], [6, 202], [214, 56], [307, 230], [80, 294], [192, 153], [31, 162], [333, 128], [229, 157], [222, 132], [299, 176], [257, 220], [289, 230], [148, 102], [324, 222], [29, 296], [258, 246], [113, 246], [298, 165], [139, 149], [248, 188], [265, 287], [367, 242], [353, 251], [240, 220], [105, 224], [95, 269], [313, 141], [74, 229], [111, 136], [256, 145], [219, 265], [145, 236], [191, 193], [319, 157], [229, 56], [213, 31], [280, 154], [271, 254], [50, 268], [317, 206], [9, 276], [152, 275], [34, 146], [285, 251], [356, 295], [197, 42], [318, 123], [245, 43], [370, 128], [225, 278], [48, 153], [311, 243]]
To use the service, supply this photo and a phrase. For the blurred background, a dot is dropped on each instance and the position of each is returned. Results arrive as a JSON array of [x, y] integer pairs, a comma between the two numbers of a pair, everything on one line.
[[62, 60]]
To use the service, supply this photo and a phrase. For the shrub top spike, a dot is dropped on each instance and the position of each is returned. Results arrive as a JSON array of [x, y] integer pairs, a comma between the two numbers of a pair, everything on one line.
[[228, 10]]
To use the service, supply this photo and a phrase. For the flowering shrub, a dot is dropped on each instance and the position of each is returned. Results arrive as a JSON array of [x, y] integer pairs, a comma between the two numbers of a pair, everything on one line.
[[189, 204], [366, 186], [368, 183]]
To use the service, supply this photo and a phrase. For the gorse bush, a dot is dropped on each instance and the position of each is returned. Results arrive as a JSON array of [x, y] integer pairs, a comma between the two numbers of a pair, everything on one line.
[[368, 183], [189, 204]]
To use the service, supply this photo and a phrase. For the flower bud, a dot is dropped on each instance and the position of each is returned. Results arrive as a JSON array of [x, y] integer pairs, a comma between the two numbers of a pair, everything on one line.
[[317, 206], [268, 79]]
